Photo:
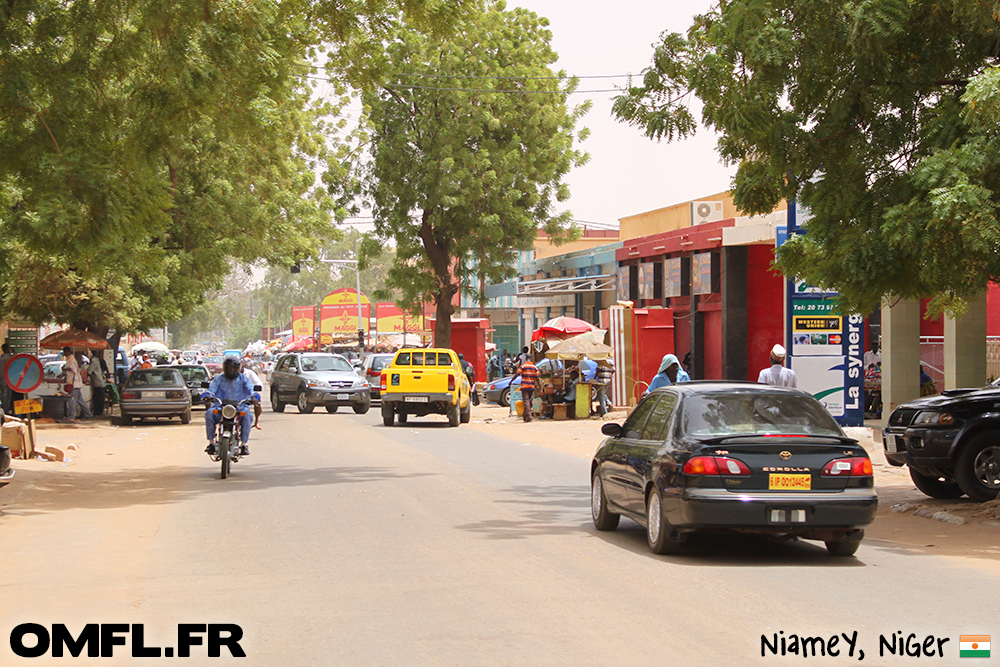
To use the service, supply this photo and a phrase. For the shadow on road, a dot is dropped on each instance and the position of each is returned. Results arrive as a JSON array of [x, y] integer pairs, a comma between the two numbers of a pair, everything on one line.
[[170, 484], [545, 510]]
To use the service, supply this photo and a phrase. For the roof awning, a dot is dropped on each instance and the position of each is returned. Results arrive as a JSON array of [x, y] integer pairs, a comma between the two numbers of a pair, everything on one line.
[[567, 285]]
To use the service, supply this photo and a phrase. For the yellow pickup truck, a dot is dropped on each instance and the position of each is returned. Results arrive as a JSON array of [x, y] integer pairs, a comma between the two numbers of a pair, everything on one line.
[[422, 382]]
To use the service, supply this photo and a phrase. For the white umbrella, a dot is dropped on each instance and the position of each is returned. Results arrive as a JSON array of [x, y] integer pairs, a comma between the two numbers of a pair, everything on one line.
[[151, 346]]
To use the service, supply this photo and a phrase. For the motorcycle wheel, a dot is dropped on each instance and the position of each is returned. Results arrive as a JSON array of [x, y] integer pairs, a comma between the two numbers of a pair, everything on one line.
[[224, 455]]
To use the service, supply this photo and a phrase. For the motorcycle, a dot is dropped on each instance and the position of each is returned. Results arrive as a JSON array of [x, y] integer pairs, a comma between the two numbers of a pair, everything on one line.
[[227, 432]]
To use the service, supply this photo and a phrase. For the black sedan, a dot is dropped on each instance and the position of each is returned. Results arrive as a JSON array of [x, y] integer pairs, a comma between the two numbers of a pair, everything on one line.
[[194, 375], [950, 443], [709, 456]]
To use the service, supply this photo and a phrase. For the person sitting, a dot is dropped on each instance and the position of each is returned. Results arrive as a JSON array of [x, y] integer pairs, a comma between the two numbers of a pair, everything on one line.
[[670, 372], [232, 385]]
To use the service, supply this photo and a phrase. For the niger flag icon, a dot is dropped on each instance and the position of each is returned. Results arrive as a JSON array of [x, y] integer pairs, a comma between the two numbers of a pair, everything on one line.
[[974, 646]]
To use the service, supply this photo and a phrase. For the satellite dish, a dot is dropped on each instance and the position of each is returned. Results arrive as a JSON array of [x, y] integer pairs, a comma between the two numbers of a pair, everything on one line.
[[704, 210]]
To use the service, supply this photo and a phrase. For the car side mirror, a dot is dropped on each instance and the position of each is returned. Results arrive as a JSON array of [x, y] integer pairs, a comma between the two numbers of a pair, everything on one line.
[[257, 387], [204, 385], [611, 429]]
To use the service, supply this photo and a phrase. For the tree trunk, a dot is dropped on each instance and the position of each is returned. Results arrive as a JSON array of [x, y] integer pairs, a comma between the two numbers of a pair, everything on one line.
[[440, 258]]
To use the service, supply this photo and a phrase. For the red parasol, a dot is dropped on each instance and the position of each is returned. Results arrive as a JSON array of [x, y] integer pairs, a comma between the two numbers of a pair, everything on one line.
[[73, 338], [561, 327], [306, 343]]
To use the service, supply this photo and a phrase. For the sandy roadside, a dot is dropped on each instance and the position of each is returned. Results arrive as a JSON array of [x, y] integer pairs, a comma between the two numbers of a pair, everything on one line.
[[107, 454]]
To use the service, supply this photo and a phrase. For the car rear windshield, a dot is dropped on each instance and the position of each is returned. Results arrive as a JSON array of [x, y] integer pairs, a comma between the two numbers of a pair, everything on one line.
[[325, 364], [194, 374], [378, 363], [421, 358], [152, 377], [756, 413]]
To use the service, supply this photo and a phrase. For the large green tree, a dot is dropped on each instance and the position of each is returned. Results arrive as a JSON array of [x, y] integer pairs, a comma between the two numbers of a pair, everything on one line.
[[148, 146], [470, 140], [880, 116]]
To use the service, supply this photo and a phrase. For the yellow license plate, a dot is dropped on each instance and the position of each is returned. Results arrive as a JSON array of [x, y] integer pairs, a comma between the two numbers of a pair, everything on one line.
[[784, 482]]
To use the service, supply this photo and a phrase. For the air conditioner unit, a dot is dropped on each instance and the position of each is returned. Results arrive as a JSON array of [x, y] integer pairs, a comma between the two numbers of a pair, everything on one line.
[[706, 211]]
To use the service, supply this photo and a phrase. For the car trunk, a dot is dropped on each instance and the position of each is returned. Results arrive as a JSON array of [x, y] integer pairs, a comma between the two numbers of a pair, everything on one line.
[[782, 464]]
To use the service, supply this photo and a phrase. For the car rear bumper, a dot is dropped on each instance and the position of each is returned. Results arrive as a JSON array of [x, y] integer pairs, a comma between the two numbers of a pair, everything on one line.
[[720, 508], [6, 476], [155, 408], [418, 399]]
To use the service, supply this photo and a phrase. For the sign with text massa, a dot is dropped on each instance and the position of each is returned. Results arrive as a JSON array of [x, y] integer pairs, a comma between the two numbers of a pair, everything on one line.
[[339, 314]]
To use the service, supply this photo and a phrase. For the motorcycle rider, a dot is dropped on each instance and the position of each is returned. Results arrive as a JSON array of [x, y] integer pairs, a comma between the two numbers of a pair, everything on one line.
[[233, 385], [254, 380]]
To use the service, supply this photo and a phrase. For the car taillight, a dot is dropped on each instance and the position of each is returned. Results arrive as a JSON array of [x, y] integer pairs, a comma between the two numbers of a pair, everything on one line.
[[716, 465], [373, 373], [856, 466], [384, 386], [451, 383], [130, 394]]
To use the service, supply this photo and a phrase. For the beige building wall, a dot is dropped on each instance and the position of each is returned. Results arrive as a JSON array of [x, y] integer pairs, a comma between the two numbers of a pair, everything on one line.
[[676, 216], [545, 248]]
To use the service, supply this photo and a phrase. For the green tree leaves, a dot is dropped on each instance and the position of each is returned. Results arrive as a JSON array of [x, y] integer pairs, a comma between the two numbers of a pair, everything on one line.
[[470, 142], [881, 116]]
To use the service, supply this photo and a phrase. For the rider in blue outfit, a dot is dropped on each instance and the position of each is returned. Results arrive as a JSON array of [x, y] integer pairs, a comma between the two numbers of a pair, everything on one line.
[[233, 385]]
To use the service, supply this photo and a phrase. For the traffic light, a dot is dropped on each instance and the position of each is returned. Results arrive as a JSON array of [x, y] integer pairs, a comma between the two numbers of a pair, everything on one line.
[[296, 268], [361, 338]]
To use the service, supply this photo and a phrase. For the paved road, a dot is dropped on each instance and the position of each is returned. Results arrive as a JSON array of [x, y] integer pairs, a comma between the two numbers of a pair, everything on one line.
[[342, 542]]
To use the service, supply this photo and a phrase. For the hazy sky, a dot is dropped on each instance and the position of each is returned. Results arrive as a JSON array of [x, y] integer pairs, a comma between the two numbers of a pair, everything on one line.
[[627, 173]]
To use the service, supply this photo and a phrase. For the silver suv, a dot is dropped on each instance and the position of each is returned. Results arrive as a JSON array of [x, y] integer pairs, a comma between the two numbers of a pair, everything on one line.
[[315, 378]]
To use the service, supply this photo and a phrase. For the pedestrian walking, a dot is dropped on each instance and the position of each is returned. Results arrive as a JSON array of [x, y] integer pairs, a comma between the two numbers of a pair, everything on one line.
[[777, 374], [74, 387], [470, 372], [98, 384], [605, 372], [529, 378]]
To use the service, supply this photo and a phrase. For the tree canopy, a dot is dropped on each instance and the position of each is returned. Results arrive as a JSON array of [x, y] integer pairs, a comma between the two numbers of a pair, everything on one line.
[[470, 139], [882, 117], [147, 146]]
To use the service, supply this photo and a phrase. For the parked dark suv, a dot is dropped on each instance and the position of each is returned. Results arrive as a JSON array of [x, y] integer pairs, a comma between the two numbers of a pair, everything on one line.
[[951, 443], [315, 378]]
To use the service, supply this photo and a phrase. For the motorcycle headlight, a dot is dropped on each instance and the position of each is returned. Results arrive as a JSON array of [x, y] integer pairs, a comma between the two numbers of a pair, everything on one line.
[[932, 418], [228, 411], [317, 383]]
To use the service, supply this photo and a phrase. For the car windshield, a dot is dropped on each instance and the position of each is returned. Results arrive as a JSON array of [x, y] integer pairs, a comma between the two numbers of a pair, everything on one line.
[[326, 364], [194, 374], [756, 413], [215, 359], [153, 377]]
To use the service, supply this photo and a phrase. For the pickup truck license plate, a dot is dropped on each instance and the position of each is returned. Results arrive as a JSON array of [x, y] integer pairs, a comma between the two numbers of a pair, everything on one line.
[[414, 399], [343, 397], [785, 482], [890, 443], [154, 394]]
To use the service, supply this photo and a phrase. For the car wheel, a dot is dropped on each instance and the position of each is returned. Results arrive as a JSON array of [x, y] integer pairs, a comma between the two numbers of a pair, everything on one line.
[[186, 417], [332, 408], [276, 403], [387, 414], [845, 547], [302, 403], [603, 519], [454, 416], [504, 400], [657, 528], [977, 469], [935, 486], [465, 416], [125, 419], [362, 408]]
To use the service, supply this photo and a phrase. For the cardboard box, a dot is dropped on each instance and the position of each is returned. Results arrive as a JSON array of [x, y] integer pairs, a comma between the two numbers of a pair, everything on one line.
[[14, 436]]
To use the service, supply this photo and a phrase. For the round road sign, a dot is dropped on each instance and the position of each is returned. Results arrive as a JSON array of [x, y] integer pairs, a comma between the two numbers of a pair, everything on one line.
[[23, 373]]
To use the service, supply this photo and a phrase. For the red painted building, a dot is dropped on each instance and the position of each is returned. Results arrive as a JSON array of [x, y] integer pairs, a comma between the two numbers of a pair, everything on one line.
[[728, 304]]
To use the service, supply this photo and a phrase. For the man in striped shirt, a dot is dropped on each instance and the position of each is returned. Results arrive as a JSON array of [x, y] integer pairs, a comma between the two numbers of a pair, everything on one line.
[[529, 379]]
